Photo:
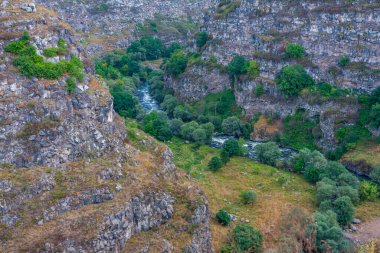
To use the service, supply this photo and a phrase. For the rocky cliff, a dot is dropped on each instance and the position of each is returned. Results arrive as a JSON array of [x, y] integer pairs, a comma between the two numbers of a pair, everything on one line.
[[70, 179]]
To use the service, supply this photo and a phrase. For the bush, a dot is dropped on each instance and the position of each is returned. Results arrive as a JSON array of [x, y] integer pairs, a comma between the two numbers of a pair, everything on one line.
[[231, 148], [199, 136], [247, 239], [70, 85], [344, 209], [187, 130], [215, 164], [233, 126], [344, 61], [169, 104], [368, 191], [201, 39], [268, 153], [375, 174], [292, 79], [175, 126], [177, 63], [253, 69], [223, 217], [248, 197], [157, 125], [329, 234], [238, 66], [259, 91], [124, 102], [294, 51]]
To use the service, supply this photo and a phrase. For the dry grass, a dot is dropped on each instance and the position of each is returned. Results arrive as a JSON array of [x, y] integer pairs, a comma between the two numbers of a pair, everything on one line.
[[367, 151], [222, 190]]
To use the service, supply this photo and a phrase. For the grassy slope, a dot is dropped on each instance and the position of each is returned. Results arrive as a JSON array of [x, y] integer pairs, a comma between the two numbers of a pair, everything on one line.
[[222, 190], [368, 151]]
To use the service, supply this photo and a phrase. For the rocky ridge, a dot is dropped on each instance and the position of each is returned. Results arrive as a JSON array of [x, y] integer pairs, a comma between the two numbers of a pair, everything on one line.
[[70, 179]]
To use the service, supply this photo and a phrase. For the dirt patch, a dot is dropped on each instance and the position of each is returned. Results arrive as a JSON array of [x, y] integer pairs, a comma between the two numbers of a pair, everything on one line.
[[367, 232]]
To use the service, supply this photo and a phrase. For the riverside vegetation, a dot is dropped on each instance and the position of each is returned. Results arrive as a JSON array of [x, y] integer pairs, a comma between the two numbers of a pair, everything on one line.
[[336, 192]]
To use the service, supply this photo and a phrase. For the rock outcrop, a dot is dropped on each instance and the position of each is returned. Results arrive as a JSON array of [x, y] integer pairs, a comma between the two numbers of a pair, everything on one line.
[[70, 179]]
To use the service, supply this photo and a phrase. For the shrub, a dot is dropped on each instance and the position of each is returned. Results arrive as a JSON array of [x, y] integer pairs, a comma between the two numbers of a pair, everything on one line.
[[124, 102], [231, 147], [259, 91], [175, 126], [292, 79], [169, 104], [247, 239], [368, 191], [248, 197], [238, 66], [226, 248], [223, 217], [344, 61], [199, 136], [233, 126], [268, 153], [215, 164], [253, 69], [187, 130], [375, 174], [294, 51], [201, 39], [70, 85], [157, 125], [177, 63], [329, 234], [344, 209]]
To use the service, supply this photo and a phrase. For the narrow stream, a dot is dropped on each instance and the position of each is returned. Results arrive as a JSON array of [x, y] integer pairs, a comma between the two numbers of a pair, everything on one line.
[[148, 103]]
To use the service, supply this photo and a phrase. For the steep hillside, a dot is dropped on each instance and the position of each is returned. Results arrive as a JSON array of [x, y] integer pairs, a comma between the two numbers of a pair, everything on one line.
[[70, 179]]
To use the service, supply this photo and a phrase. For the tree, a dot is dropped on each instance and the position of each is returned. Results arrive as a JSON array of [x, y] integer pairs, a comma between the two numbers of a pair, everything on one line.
[[223, 217], [238, 66], [329, 234], [368, 191], [292, 79], [124, 103], [175, 126], [187, 130], [201, 39], [199, 136], [215, 164], [157, 125], [295, 51], [268, 153], [375, 174], [209, 128], [248, 197], [344, 209], [233, 126], [247, 239], [231, 147], [253, 69], [177, 63], [168, 105]]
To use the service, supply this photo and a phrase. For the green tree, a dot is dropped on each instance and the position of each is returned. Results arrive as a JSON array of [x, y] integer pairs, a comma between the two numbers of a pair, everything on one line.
[[233, 126], [247, 239], [187, 130], [223, 217], [344, 209], [238, 66], [177, 63], [268, 153], [215, 164], [232, 147], [201, 39], [169, 103], [292, 79], [124, 103], [199, 136], [175, 126], [295, 51]]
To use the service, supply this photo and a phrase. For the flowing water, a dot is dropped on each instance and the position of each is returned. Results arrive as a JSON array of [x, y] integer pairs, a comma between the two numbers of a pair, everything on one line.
[[148, 103]]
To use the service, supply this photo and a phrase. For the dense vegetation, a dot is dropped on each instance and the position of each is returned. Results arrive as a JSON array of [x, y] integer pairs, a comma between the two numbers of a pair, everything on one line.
[[31, 64], [337, 191]]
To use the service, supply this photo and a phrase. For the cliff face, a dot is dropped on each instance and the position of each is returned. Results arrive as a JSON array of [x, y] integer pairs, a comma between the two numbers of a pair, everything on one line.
[[327, 29], [70, 179]]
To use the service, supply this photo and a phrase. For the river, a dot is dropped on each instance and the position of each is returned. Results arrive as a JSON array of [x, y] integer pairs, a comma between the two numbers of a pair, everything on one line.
[[148, 103]]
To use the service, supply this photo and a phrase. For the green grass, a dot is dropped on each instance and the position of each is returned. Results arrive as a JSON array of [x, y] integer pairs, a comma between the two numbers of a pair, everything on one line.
[[277, 191]]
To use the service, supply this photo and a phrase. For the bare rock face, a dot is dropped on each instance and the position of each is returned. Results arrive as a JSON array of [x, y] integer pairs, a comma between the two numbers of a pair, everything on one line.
[[70, 180]]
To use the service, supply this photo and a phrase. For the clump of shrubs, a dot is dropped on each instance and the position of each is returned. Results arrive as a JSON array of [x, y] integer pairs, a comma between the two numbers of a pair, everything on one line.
[[31, 64], [223, 217], [215, 164], [268, 153], [292, 79], [248, 197], [368, 191], [294, 51], [247, 239]]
